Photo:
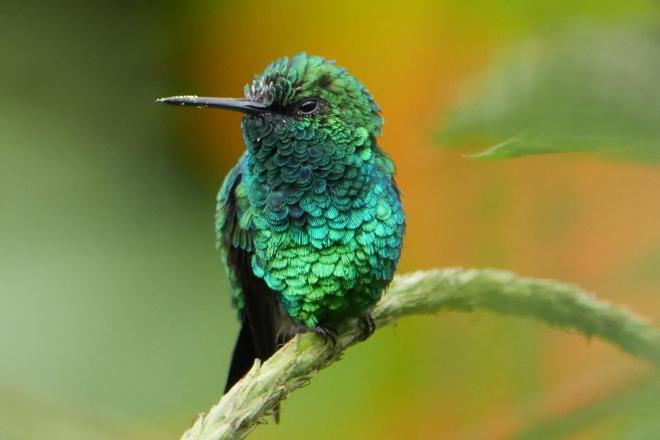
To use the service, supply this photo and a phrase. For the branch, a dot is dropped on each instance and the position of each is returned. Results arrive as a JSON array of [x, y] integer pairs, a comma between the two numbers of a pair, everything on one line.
[[558, 304]]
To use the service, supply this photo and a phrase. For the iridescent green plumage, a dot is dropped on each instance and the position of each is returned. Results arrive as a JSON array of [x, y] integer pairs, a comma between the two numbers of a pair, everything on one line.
[[309, 220], [316, 202]]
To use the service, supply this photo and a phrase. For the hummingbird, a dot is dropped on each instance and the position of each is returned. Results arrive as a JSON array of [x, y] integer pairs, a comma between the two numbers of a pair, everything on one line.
[[309, 221]]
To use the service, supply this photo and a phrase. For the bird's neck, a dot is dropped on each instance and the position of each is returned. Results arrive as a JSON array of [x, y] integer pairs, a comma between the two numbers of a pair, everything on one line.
[[299, 170]]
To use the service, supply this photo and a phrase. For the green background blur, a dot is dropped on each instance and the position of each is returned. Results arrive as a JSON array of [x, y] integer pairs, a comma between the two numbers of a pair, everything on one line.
[[114, 310]]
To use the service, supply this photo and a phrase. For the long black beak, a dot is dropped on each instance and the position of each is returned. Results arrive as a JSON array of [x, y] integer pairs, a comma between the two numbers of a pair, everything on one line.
[[239, 105]]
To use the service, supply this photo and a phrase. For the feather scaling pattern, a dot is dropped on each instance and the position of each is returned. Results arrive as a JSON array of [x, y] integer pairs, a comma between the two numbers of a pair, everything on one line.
[[309, 220]]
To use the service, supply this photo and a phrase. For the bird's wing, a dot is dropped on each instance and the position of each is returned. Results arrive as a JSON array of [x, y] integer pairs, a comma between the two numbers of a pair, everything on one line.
[[257, 304]]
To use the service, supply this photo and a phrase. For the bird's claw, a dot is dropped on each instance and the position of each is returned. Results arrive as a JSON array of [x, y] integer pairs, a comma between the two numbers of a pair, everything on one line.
[[328, 334], [367, 325]]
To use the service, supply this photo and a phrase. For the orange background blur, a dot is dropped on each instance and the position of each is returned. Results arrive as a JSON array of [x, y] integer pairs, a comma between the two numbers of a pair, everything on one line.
[[117, 320]]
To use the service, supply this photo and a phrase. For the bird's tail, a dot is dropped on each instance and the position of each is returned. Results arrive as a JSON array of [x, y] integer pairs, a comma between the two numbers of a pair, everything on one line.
[[243, 357]]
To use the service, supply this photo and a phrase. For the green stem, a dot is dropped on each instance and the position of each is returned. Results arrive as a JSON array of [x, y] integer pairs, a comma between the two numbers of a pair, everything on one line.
[[558, 304]]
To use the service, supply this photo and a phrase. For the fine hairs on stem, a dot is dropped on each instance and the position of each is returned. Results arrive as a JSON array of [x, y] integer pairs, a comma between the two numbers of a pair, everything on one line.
[[561, 305]]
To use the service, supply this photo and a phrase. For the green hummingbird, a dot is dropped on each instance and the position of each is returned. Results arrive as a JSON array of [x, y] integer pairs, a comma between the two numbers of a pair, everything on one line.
[[309, 221]]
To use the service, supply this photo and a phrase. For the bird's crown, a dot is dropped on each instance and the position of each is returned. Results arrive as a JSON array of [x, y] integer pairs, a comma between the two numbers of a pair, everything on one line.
[[307, 85]]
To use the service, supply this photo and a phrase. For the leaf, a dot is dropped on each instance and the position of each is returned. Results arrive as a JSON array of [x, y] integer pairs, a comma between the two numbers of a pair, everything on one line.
[[583, 90]]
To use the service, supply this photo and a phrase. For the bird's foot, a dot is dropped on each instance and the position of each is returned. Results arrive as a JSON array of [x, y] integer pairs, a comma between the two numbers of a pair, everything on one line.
[[287, 333], [328, 334], [367, 325]]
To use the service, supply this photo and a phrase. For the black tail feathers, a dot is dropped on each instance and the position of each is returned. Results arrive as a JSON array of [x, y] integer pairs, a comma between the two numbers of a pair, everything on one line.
[[245, 353], [243, 357]]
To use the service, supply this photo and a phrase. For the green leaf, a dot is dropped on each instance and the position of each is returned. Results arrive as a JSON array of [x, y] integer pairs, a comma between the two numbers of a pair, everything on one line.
[[583, 90]]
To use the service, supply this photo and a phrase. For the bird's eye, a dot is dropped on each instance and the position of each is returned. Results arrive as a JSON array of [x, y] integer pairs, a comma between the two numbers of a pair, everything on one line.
[[308, 106]]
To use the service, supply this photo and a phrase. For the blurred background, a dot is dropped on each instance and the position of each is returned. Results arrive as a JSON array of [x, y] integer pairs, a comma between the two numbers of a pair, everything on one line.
[[114, 309]]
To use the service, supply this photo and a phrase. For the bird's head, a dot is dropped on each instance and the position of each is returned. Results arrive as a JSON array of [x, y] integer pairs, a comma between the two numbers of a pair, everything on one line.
[[302, 99]]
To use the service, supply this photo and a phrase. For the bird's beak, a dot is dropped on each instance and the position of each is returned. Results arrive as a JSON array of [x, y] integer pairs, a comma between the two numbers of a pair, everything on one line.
[[239, 105]]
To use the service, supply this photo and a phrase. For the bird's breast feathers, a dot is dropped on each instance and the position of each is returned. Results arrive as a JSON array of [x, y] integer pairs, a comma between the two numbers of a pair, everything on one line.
[[325, 253]]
